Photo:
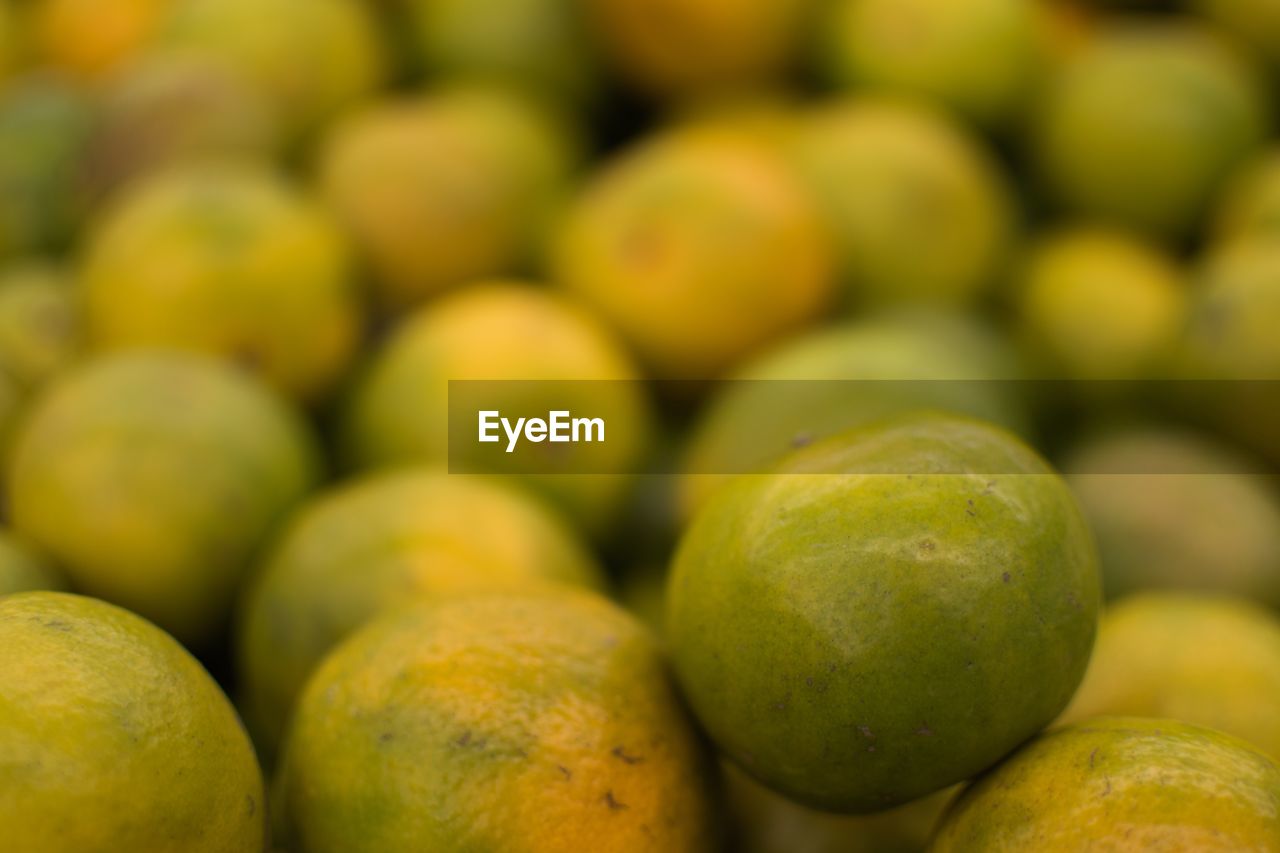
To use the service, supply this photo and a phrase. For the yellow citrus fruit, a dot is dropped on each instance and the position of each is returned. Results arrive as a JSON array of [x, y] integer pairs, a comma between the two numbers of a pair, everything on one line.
[[506, 332], [687, 49], [23, 569], [153, 478], [40, 327], [1173, 510], [893, 178], [375, 544], [113, 738], [1095, 303], [1214, 662], [1255, 22], [312, 58], [1121, 784], [537, 722], [1250, 203], [700, 248], [456, 185], [75, 36], [227, 260]]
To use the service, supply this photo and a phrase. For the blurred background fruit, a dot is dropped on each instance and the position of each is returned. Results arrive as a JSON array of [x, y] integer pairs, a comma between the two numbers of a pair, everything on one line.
[[40, 332], [1173, 510], [1166, 784], [153, 478], [369, 547], [506, 333], [74, 36], [455, 185], [1212, 662], [1145, 122], [700, 248], [230, 260], [980, 59], [24, 569], [553, 710], [89, 766], [1255, 22], [919, 209], [1250, 202]]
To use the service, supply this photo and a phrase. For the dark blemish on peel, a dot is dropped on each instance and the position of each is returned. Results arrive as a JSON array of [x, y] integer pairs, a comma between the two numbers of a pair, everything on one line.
[[867, 733], [251, 805], [613, 804], [927, 545], [1092, 756], [1107, 779], [565, 770], [969, 510], [801, 439], [57, 624], [464, 738], [1006, 577], [621, 754], [924, 730], [385, 737]]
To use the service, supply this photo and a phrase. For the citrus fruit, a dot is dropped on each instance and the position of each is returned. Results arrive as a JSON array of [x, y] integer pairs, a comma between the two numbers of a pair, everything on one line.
[[700, 248], [830, 380], [543, 720], [1214, 662], [353, 553], [76, 37], [532, 346], [311, 58], [691, 49], [1174, 510], [153, 478], [1122, 784], [23, 569], [1250, 202], [1100, 304], [1255, 22], [888, 612], [1142, 125], [892, 178], [44, 127], [979, 58], [39, 322], [115, 738], [228, 260], [456, 185]]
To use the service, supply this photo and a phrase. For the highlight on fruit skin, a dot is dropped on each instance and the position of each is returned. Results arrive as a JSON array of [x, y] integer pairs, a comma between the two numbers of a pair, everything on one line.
[[1120, 783]]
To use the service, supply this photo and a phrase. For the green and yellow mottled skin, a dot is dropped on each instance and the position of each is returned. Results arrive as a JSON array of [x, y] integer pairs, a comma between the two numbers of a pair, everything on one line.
[[1213, 662], [40, 328], [453, 186], [1100, 304], [1174, 510], [1123, 784], [228, 260], [700, 248], [1145, 121], [398, 413], [113, 738], [893, 177], [889, 612], [375, 544], [537, 722], [797, 393], [153, 478], [23, 569], [980, 58], [313, 58]]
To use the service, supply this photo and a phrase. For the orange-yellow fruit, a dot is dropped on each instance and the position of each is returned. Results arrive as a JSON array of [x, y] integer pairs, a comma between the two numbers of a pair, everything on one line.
[[84, 39]]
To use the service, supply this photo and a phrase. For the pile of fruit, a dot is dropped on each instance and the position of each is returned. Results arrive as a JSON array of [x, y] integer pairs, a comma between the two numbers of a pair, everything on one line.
[[938, 345]]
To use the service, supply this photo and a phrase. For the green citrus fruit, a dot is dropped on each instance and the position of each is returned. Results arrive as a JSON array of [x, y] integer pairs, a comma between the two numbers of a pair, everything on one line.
[[457, 185], [399, 412], [544, 720], [1173, 510], [700, 248], [1124, 784], [1208, 661], [370, 546], [1255, 22], [153, 478], [24, 569], [114, 738], [1143, 124], [887, 613], [39, 322], [1250, 203], [892, 178], [978, 58], [229, 260]]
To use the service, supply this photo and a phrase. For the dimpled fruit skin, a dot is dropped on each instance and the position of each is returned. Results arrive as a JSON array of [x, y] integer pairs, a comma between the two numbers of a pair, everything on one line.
[[153, 477], [890, 612], [1145, 122], [538, 722], [1123, 784], [699, 248], [113, 738], [22, 569], [373, 545], [1211, 662], [228, 261]]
